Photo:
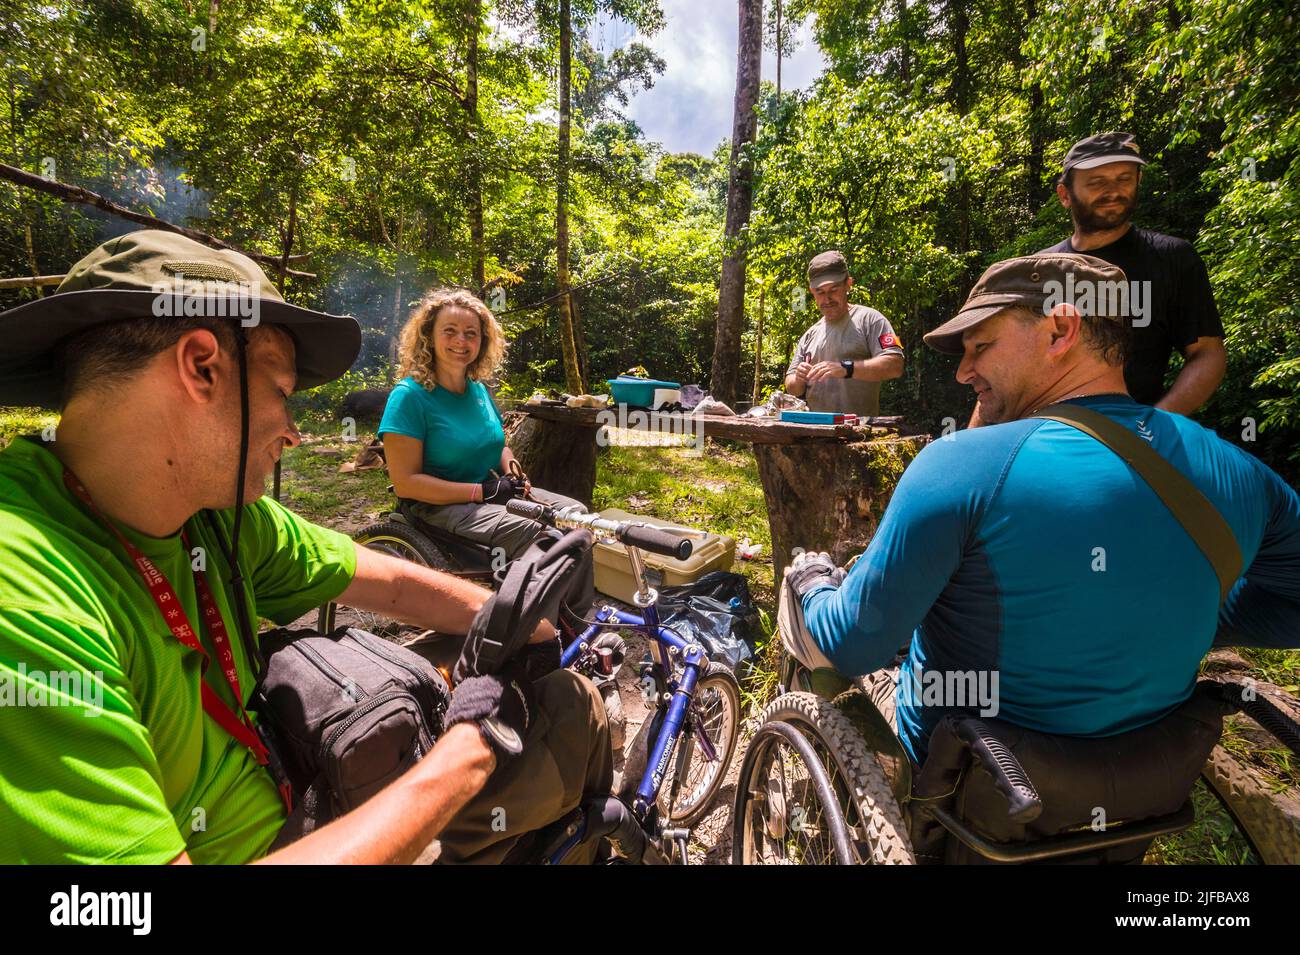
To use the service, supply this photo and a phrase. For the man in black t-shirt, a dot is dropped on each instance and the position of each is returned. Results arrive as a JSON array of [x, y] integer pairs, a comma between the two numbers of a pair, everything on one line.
[[1099, 185]]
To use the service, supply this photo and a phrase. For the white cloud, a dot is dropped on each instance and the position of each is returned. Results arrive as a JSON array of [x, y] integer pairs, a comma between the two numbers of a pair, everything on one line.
[[690, 106]]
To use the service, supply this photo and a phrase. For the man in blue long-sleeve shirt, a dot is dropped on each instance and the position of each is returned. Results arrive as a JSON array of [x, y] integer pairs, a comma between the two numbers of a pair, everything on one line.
[[1027, 559]]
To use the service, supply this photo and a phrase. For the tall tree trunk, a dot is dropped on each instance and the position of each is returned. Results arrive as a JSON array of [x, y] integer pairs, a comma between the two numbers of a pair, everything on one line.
[[758, 339], [473, 168], [959, 27], [286, 238], [724, 380], [31, 257], [1034, 191], [778, 63], [572, 371], [904, 47], [394, 339], [579, 339]]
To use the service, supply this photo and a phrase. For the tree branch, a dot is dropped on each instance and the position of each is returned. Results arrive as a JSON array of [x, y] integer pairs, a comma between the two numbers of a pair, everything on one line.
[[82, 196]]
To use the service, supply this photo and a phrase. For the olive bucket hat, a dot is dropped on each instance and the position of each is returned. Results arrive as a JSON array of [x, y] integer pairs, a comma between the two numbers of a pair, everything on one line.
[[154, 273]]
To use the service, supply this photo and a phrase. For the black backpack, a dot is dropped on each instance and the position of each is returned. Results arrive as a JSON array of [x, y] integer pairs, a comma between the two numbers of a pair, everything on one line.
[[348, 713]]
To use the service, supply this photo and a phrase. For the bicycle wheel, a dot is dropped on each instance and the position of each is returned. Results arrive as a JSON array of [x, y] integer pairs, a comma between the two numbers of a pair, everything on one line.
[[692, 779], [786, 812], [397, 540], [863, 795]]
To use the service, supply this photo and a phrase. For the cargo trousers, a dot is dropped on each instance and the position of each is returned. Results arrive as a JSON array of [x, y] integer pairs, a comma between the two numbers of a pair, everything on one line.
[[566, 759]]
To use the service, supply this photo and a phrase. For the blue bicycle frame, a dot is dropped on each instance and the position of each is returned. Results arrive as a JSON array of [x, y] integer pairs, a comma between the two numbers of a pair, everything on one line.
[[665, 646]]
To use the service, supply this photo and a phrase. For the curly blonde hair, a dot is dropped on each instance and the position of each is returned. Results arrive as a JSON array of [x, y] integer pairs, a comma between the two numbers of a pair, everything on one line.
[[415, 351]]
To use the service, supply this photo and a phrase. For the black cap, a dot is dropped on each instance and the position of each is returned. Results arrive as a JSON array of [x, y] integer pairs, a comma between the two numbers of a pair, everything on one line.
[[1102, 149]]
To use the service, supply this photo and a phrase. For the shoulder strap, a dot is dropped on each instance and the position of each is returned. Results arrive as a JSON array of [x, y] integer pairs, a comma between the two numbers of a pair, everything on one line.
[[236, 593], [1201, 519]]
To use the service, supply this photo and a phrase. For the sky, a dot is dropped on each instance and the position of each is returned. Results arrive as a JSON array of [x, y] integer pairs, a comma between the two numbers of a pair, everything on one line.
[[689, 108]]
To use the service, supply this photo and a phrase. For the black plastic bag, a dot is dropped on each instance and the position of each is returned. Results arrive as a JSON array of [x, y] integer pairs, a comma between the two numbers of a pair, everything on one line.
[[718, 612]]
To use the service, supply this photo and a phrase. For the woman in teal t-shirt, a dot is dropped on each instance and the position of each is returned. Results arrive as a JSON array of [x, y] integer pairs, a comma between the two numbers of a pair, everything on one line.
[[442, 432]]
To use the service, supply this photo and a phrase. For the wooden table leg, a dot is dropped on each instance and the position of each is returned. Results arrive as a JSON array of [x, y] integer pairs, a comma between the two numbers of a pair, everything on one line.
[[829, 495]]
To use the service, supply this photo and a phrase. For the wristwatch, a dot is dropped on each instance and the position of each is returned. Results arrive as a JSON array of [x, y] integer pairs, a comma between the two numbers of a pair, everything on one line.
[[847, 365]]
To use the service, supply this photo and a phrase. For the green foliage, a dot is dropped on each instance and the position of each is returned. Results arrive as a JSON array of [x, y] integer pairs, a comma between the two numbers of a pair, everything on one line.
[[926, 151]]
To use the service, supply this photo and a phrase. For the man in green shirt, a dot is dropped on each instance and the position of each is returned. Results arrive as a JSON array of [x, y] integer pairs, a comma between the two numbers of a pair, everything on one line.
[[107, 752]]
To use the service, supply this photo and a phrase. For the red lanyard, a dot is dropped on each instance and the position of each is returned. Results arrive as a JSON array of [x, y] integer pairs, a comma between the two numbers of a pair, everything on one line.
[[241, 727]]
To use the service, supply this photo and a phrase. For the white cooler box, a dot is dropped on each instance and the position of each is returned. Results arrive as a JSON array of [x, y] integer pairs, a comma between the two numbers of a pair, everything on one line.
[[614, 569]]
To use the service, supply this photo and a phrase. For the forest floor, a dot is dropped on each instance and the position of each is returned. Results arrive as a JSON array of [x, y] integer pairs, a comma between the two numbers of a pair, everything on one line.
[[720, 492]]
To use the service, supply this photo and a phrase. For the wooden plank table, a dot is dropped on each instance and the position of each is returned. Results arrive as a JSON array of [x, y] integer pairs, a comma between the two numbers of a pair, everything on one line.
[[826, 486]]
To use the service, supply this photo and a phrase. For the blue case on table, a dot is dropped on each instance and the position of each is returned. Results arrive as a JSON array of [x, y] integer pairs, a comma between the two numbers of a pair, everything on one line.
[[817, 417]]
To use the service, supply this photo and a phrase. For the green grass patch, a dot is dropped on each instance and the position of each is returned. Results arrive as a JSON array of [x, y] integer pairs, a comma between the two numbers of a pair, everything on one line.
[[1279, 667], [312, 486], [718, 491], [1212, 840]]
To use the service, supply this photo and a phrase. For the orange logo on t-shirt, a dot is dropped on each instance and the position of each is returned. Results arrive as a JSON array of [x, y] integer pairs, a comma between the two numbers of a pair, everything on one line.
[[890, 340]]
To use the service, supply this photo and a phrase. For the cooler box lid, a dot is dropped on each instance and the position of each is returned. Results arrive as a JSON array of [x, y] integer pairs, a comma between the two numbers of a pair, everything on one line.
[[704, 550]]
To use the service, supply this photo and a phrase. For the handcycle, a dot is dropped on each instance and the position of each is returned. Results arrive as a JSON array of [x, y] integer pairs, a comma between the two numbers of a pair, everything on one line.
[[825, 780], [401, 534], [690, 734]]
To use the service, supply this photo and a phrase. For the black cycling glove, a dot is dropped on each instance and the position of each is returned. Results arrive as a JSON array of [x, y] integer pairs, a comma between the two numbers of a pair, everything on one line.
[[540, 659], [499, 490], [502, 704]]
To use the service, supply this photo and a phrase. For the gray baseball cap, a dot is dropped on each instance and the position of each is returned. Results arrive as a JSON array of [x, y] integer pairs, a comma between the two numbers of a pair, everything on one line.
[[827, 267], [1102, 149]]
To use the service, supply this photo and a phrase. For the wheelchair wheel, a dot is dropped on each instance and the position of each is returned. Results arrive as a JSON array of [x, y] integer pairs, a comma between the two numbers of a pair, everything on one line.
[[786, 812], [691, 781], [861, 793], [396, 539]]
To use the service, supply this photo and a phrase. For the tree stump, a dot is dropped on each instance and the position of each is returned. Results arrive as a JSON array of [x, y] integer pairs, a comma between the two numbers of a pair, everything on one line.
[[556, 457], [829, 495]]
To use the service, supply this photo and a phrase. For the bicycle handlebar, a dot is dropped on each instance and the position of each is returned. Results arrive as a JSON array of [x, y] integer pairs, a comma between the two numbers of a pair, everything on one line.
[[670, 542]]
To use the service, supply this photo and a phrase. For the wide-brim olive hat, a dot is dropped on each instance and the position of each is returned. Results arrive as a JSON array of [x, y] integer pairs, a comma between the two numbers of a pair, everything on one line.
[[1033, 281], [152, 273]]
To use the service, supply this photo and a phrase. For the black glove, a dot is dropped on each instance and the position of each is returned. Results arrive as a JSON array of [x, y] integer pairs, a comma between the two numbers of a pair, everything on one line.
[[499, 490], [502, 705], [812, 571]]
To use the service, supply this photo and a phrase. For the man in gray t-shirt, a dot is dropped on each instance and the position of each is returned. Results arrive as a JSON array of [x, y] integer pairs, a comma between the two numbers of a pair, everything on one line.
[[839, 363]]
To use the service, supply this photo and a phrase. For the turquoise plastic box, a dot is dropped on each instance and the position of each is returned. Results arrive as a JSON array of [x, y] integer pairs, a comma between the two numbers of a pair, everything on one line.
[[637, 391]]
